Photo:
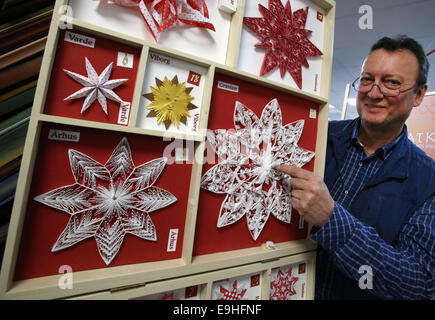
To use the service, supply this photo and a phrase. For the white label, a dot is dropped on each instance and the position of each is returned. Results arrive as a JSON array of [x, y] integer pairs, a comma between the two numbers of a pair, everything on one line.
[[79, 39], [228, 86], [161, 59], [124, 113], [125, 60], [62, 135], [313, 113], [195, 122], [172, 240]]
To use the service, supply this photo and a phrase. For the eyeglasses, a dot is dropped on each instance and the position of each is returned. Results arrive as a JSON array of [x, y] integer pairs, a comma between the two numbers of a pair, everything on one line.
[[389, 88]]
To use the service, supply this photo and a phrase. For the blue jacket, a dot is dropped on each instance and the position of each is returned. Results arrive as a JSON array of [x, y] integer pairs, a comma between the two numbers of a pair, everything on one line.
[[398, 189]]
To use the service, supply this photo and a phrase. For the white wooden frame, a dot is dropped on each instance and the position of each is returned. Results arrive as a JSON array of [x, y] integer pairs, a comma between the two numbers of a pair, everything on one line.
[[162, 274], [205, 280]]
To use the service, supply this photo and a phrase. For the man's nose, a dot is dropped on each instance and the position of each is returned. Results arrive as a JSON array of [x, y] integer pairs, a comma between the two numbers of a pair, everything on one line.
[[375, 93]]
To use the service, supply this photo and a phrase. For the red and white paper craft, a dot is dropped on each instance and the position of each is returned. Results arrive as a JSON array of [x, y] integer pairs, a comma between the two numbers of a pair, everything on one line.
[[233, 293], [283, 36], [159, 15], [246, 171], [288, 282], [246, 287], [96, 87], [109, 201], [283, 287]]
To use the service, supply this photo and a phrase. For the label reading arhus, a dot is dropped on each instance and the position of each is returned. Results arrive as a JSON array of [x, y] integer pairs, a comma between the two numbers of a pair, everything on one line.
[[62, 135], [79, 39], [172, 240]]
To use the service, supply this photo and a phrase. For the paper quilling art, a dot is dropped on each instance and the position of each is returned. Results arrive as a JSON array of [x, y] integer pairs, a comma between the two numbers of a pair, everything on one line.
[[109, 201], [170, 102], [159, 15], [96, 87], [283, 287], [284, 38], [233, 293], [245, 172]]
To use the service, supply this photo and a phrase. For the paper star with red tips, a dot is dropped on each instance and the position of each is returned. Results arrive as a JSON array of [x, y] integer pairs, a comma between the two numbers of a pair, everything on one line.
[[283, 36]]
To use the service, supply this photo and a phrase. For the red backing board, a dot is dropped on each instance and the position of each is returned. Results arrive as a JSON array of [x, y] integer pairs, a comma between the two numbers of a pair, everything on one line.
[[71, 56], [43, 224], [208, 237]]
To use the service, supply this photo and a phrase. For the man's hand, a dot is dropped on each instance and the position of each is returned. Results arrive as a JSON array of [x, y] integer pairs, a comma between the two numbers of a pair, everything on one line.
[[309, 195]]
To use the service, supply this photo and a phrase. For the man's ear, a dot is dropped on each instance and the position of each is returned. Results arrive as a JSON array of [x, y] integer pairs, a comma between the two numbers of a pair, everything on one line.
[[419, 95]]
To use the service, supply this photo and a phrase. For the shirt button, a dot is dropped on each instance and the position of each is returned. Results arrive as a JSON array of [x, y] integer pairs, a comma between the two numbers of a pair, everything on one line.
[[360, 164], [346, 191]]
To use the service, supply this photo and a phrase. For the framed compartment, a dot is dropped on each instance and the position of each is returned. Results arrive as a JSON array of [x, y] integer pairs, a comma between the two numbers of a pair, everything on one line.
[[246, 287], [200, 42], [297, 49], [92, 78], [172, 98], [289, 282], [113, 200], [232, 173]]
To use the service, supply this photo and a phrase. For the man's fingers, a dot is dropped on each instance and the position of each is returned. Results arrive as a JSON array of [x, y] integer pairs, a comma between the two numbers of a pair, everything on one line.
[[297, 194], [300, 184], [293, 171]]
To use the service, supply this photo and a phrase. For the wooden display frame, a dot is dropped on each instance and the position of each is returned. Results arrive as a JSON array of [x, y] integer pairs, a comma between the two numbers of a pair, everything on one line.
[[161, 274], [205, 280]]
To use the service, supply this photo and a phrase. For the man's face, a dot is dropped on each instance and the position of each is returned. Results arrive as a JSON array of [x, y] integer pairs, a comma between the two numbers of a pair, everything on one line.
[[378, 111]]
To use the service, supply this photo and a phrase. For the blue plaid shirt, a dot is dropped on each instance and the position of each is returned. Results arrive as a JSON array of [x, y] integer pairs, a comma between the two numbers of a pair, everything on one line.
[[351, 243]]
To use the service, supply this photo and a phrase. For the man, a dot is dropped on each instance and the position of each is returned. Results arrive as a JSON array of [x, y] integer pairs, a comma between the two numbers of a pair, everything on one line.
[[373, 215]]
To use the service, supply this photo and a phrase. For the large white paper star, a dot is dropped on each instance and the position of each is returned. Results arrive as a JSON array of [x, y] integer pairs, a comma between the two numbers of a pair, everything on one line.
[[246, 171], [96, 87], [108, 201]]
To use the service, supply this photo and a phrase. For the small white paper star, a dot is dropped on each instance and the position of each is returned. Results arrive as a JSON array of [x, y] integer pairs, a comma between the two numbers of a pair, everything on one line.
[[96, 87]]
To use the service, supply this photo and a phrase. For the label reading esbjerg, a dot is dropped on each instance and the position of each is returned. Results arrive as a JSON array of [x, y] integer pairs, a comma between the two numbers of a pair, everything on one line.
[[79, 39]]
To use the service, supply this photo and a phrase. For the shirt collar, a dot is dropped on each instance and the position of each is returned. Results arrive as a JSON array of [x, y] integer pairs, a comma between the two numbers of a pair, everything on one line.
[[383, 151]]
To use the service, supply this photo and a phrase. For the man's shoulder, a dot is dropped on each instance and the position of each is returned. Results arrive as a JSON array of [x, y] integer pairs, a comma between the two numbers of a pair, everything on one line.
[[339, 126]]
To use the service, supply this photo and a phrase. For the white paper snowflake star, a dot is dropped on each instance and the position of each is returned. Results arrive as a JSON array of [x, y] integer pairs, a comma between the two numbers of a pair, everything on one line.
[[96, 87], [108, 201], [246, 171]]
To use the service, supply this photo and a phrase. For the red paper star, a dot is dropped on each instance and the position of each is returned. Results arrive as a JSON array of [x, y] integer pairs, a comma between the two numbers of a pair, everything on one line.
[[285, 39], [234, 294], [283, 287], [159, 15]]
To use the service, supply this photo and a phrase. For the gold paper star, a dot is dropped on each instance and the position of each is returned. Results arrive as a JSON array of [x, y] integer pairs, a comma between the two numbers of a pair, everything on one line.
[[170, 102]]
